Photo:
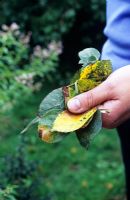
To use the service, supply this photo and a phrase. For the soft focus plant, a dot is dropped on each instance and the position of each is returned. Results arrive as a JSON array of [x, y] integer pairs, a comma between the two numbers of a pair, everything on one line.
[[8, 193], [19, 178], [51, 20], [21, 69]]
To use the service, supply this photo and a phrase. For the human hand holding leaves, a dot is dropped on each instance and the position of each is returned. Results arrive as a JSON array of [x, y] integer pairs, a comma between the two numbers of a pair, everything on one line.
[[55, 121]]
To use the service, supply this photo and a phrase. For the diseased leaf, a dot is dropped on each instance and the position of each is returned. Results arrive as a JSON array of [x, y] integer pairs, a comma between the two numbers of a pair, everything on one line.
[[66, 95], [54, 100], [86, 135], [88, 56], [44, 127], [87, 123], [90, 77], [69, 92], [98, 71], [68, 122], [49, 117], [85, 85], [50, 137]]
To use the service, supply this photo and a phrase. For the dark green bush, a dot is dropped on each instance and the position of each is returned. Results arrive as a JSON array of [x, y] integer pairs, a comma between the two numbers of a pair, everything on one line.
[[19, 177], [8, 193], [51, 20]]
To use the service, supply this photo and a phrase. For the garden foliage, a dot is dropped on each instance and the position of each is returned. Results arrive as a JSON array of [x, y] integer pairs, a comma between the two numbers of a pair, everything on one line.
[[19, 180], [51, 20], [22, 70]]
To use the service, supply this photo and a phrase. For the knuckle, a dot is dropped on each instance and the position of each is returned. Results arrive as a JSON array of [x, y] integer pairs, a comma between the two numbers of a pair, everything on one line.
[[109, 88], [109, 85], [89, 101], [109, 122]]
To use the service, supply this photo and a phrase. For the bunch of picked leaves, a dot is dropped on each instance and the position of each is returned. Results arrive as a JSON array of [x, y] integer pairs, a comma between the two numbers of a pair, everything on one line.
[[55, 122]]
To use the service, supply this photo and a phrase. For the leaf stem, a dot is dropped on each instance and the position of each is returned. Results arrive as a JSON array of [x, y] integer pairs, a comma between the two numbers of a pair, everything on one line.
[[76, 88], [104, 111]]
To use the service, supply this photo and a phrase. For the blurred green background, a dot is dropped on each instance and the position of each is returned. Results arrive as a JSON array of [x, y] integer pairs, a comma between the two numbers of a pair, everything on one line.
[[39, 43]]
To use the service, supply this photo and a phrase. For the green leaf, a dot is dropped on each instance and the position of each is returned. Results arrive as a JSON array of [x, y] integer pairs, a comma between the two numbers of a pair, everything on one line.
[[88, 56], [49, 108], [86, 135], [54, 100], [34, 121]]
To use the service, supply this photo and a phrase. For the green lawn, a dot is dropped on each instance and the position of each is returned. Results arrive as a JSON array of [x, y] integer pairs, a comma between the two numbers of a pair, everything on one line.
[[66, 170], [70, 172]]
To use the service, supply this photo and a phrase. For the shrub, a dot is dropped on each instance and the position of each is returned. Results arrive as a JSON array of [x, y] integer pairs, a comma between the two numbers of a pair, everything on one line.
[[51, 20], [8, 193], [19, 177], [22, 69]]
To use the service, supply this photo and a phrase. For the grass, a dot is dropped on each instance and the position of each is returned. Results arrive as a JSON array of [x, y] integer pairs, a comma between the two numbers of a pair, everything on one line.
[[66, 170]]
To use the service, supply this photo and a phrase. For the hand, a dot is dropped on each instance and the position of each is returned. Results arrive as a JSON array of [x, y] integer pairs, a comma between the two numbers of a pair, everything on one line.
[[113, 95]]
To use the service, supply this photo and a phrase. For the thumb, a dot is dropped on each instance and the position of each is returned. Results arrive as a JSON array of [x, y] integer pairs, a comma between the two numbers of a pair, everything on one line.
[[90, 99]]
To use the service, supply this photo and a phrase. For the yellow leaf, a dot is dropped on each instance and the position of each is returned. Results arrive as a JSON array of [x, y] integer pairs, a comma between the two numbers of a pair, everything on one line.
[[98, 71], [89, 77], [92, 75], [85, 85], [68, 122]]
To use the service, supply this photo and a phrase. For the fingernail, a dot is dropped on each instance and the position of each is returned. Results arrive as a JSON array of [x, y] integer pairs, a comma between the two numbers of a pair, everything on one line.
[[74, 104]]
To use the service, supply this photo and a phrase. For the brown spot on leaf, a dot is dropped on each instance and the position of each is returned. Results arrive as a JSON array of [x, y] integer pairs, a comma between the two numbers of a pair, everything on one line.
[[40, 133], [66, 94]]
